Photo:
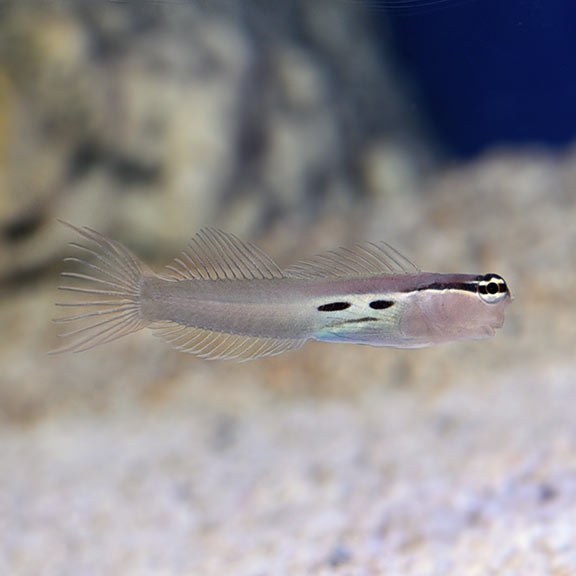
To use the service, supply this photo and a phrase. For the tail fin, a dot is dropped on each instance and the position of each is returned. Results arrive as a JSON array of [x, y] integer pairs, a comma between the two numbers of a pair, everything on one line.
[[109, 288]]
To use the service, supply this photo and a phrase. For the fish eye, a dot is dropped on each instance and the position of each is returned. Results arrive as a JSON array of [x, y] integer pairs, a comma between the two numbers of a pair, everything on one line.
[[492, 288]]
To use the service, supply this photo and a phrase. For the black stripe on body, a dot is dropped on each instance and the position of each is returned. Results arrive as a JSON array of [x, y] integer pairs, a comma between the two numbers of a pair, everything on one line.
[[333, 307], [359, 320], [464, 286]]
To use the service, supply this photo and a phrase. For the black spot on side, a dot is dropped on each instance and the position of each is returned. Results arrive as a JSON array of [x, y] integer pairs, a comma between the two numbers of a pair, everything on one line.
[[381, 304], [333, 307]]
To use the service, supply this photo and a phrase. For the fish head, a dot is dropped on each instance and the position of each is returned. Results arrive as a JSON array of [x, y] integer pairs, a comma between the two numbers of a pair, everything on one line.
[[468, 310]]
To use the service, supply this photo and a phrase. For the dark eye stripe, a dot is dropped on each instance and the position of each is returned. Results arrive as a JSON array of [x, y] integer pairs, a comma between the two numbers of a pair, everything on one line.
[[381, 304], [466, 286], [334, 307]]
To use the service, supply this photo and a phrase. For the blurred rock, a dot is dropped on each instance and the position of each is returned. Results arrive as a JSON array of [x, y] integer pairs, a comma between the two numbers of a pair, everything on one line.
[[47, 112], [154, 119]]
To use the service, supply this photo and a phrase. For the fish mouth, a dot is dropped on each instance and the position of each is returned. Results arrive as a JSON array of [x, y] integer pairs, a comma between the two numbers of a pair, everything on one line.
[[489, 331]]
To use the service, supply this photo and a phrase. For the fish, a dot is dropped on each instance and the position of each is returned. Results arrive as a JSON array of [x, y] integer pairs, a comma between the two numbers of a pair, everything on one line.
[[224, 298]]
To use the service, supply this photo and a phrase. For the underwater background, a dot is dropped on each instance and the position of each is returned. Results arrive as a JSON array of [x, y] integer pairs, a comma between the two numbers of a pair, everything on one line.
[[445, 127], [490, 72]]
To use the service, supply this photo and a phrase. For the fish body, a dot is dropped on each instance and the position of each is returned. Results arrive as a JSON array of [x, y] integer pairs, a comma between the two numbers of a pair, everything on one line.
[[224, 298]]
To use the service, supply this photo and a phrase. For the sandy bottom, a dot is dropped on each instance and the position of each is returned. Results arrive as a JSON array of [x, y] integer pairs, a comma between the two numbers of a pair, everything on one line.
[[234, 478]]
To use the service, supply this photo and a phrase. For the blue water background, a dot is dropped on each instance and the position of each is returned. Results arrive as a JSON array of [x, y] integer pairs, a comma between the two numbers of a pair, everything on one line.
[[493, 72]]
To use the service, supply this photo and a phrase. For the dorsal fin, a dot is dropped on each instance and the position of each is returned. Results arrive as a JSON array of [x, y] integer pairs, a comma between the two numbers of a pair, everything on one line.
[[216, 255], [363, 259]]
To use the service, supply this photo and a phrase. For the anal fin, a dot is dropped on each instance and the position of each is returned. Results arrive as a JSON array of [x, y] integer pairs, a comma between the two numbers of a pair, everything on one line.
[[221, 345]]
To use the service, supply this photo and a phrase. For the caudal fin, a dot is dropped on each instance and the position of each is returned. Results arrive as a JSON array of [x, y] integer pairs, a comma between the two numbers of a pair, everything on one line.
[[107, 288]]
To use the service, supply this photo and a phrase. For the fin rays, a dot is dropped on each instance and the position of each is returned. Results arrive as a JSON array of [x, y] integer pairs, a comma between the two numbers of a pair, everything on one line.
[[110, 290], [216, 255], [362, 260], [219, 345]]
